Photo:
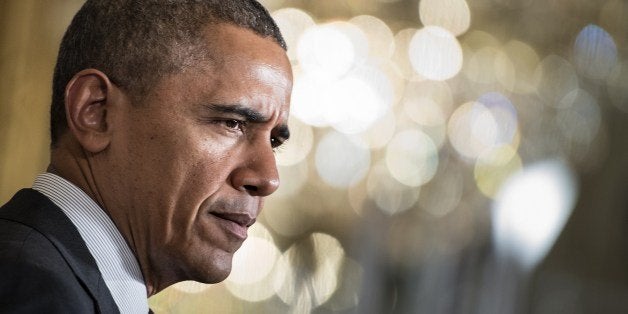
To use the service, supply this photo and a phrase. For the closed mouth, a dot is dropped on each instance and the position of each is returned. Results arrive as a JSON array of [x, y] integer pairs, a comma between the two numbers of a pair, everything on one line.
[[243, 220], [234, 224]]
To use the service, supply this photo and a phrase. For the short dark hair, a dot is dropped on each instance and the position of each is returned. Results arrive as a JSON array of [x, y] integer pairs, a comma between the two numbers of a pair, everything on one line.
[[136, 42]]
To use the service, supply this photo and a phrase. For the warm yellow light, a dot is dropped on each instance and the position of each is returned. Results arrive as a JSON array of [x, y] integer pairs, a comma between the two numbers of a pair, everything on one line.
[[309, 273], [616, 86], [472, 130], [428, 103], [292, 180], [400, 57], [379, 134], [292, 23], [494, 167], [554, 78], [190, 286], [477, 127], [518, 75], [285, 217], [299, 145], [453, 15], [412, 158], [390, 196], [483, 63], [252, 272], [380, 37]]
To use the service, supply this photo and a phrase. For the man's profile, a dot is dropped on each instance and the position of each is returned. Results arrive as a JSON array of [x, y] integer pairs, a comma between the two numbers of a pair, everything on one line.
[[164, 119]]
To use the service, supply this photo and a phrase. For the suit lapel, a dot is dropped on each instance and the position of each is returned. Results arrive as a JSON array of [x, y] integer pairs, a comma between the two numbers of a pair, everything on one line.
[[37, 211]]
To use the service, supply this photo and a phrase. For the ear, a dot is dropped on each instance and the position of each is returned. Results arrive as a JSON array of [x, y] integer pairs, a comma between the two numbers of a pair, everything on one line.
[[86, 105]]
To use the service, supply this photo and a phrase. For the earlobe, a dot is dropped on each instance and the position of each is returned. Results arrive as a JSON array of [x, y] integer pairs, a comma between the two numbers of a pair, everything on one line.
[[86, 107]]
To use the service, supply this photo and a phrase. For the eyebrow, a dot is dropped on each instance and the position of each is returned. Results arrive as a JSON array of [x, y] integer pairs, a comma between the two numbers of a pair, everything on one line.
[[247, 114]]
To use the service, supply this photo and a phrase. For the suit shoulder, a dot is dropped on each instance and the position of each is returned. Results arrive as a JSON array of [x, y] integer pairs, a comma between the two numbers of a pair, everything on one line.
[[34, 276], [22, 242]]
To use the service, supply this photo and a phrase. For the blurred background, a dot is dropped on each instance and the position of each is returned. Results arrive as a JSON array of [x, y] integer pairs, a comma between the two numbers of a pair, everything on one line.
[[448, 156]]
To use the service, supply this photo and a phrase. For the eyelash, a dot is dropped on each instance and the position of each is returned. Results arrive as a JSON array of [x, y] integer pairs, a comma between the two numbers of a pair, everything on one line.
[[240, 124], [275, 142]]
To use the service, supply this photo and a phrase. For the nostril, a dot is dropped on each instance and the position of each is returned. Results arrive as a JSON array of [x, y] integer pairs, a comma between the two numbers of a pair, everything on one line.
[[250, 188]]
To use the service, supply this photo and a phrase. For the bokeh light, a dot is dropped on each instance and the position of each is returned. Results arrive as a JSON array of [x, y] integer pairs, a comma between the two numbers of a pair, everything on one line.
[[435, 53], [299, 145], [428, 103], [253, 265], [453, 15], [531, 209], [309, 104], [494, 166], [332, 49], [347, 295], [505, 116], [477, 127], [340, 162], [521, 59], [190, 287], [595, 52], [616, 86], [361, 98], [443, 194], [311, 268], [579, 117], [292, 23], [476, 39], [555, 77], [483, 65], [380, 38], [350, 104], [286, 218], [425, 136], [293, 178], [401, 56], [412, 158], [390, 196], [272, 4], [379, 134]]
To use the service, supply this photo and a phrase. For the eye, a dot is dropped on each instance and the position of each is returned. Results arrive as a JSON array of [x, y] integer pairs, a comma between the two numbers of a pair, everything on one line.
[[276, 143], [233, 124]]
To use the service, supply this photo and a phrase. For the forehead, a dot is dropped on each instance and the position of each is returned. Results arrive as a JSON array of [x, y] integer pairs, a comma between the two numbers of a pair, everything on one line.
[[229, 45], [248, 66], [240, 67]]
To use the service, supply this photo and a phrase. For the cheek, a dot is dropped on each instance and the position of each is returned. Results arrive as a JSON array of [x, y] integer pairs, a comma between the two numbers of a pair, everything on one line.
[[194, 174]]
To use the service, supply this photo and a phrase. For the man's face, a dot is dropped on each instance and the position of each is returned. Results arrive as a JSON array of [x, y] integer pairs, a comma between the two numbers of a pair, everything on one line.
[[193, 164]]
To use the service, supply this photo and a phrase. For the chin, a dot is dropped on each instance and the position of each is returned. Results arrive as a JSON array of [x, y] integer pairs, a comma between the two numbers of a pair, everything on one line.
[[211, 269]]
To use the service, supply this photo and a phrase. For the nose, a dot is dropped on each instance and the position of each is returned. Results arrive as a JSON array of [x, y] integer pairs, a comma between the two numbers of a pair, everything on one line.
[[257, 174]]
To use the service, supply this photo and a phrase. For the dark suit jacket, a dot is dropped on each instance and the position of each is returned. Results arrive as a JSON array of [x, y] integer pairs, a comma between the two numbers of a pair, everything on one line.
[[45, 266]]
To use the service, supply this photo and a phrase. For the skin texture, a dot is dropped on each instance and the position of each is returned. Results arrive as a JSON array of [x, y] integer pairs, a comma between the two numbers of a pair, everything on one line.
[[185, 173]]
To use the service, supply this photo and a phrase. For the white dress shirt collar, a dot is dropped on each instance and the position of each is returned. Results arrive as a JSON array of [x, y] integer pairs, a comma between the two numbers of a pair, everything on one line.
[[115, 260]]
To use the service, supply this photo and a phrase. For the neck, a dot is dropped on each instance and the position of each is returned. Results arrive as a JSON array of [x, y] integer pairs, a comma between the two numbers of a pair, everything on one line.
[[71, 162], [74, 165]]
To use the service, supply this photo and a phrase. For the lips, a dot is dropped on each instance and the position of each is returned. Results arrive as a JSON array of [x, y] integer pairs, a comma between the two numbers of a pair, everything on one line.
[[234, 223]]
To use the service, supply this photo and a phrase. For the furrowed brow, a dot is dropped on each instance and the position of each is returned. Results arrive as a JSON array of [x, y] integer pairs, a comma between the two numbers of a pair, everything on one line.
[[246, 113]]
